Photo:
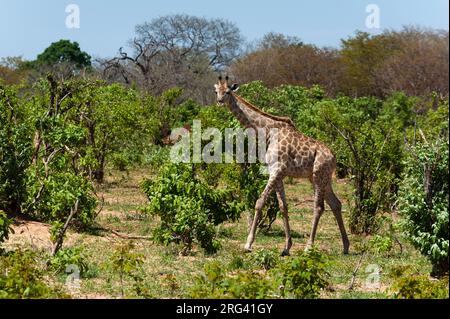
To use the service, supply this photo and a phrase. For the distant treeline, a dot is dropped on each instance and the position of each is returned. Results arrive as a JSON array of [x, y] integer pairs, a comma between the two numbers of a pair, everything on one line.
[[188, 51]]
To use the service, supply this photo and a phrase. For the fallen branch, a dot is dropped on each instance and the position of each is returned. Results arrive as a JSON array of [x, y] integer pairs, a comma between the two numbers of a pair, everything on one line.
[[304, 201], [126, 236]]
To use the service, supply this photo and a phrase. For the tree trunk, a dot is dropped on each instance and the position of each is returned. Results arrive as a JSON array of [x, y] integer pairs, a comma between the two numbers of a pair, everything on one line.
[[99, 174], [59, 240]]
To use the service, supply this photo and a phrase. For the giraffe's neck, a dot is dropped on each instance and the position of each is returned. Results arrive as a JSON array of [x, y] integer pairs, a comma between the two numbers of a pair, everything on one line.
[[247, 115]]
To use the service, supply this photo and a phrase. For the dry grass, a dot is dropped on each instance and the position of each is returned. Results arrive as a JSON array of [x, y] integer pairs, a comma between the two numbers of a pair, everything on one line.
[[169, 275]]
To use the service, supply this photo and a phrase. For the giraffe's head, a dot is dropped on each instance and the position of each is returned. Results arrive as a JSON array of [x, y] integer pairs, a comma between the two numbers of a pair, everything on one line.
[[223, 90]]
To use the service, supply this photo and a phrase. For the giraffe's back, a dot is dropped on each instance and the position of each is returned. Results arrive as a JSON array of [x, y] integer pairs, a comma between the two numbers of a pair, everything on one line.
[[304, 155]]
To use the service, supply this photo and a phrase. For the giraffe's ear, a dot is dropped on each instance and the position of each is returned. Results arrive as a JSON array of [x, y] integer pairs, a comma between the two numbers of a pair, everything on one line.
[[234, 87]]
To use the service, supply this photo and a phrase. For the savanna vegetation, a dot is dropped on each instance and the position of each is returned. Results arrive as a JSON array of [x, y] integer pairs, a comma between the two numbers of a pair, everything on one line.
[[84, 156]]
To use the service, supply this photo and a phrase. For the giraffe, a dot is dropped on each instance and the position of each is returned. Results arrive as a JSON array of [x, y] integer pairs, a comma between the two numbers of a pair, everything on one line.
[[296, 155]]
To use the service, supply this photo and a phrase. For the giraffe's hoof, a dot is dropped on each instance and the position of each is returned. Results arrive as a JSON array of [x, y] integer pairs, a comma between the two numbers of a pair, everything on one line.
[[247, 249], [308, 247], [346, 247], [285, 253], [346, 251]]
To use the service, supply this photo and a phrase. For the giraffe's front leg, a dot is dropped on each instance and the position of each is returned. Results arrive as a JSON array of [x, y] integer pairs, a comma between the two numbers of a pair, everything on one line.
[[251, 235], [282, 203], [258, 210]]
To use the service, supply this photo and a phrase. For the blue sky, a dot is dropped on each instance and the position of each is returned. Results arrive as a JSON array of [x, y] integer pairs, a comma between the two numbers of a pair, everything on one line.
[[28, 27]]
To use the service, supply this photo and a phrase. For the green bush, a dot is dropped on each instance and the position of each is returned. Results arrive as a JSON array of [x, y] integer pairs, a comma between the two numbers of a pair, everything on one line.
[[304, 276], [127, 264], [266, 259], [116, 125], [45, 166], [5, 226], [381, 244], [216, 284], [238, 262], [59, 193], [67, 257], [188, 208], [156, 156], [434, 123], [423, 202], [21, 278], [419, 287]]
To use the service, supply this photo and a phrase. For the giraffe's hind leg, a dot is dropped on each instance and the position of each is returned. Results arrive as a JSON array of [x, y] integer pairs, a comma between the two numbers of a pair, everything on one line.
[[319, 207], [336, 207]]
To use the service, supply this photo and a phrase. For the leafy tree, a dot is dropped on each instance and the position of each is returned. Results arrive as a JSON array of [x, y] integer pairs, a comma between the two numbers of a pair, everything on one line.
[[423, 195], [115, 120], [64, 51], [109, 124], [423, 201], [167, 113], [57, 181], [64, 59], [368, 143]]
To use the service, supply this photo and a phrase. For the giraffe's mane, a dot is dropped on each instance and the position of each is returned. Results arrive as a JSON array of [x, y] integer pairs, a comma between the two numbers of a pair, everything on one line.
[[254, 108]]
